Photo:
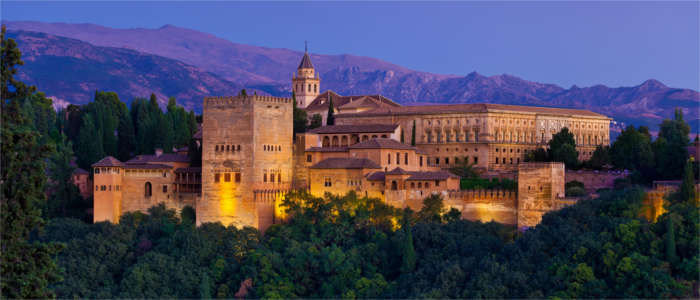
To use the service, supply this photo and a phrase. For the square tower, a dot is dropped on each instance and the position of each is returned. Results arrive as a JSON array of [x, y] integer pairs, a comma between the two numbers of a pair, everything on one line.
[[540, 190], [246, 151]]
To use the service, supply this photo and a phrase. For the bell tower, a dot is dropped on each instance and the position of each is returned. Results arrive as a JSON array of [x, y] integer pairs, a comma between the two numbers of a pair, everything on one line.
[[305, 83]]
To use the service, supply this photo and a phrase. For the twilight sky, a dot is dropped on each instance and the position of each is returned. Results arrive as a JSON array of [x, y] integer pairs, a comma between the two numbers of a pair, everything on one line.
[[565, 43]]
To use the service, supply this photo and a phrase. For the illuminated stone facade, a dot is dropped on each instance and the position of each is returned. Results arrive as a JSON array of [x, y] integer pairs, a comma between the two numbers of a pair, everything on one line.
[[246, 150], [250, 158]]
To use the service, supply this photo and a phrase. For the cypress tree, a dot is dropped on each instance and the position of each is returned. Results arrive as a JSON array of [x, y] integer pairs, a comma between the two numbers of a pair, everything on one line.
[[671, 256], [687, 189], [127, 138], [413, 134], [300, 117], [408, 259], [89, 144], [27, 268], [330, 120]]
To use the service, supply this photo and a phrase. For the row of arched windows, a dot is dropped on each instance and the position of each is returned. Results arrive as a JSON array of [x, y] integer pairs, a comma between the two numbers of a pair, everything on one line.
[[107, 187], [272, 148], [398, 158], [227, 177], [272, 176], [457, 160], [227, 148], [300, 88]]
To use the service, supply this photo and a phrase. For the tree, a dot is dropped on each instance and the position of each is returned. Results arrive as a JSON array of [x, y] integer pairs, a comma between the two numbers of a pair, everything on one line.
[[600, 158], [687, 188], [633, 151], [670, 150], [126, 137], [316, 121], [330, 119], [562, 148], [538, 155], [300, 118], [432, 210], [89, 144], [413, 134], [64, 199], [408, 258], [27, 268]]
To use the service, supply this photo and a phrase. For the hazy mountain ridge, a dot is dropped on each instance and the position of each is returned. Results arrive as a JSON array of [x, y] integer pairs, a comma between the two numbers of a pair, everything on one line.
[[270, 70]]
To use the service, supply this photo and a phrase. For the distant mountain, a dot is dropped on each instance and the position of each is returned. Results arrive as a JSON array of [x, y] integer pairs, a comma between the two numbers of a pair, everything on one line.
[[269, 70], [71, 71]]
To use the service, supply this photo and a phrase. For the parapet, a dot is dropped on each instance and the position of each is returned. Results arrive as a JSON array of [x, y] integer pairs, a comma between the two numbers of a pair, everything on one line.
[[233, 101]]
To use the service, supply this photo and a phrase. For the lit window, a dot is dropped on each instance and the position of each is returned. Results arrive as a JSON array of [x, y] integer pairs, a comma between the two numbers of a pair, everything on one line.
[[308, 158], [327, 182], [227, 177], [238, 177], [217, 177]]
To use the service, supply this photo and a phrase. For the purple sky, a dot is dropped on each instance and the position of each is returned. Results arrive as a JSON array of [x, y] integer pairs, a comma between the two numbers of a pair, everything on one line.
[[566, 43]]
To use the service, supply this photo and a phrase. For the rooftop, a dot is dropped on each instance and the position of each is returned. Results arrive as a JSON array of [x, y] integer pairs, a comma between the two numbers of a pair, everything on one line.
[[305, 62], [165, 157], [415, 175], [346, 163], [472, 108], [382, 143], [339, 102], [147, 166], [365, 128], [108, 161]]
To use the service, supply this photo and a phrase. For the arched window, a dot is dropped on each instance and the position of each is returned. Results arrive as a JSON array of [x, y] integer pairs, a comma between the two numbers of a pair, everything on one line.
[[405, 158], [413, 184], [394, 185], [398, 158], [388, 158], [279, 177], [148, 190], [309, 87], [314, 88], [334, 143], [384, 136], [344, 141], [326, 142]]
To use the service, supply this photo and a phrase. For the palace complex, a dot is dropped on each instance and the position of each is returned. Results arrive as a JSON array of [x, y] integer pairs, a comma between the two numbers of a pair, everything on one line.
[[377, 148]]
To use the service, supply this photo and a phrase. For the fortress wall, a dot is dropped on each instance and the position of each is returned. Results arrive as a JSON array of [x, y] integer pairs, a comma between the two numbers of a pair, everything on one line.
[[594, 180]]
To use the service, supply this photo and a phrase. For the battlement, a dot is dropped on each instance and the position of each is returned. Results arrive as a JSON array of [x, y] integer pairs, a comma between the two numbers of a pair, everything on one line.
[[481, 196], [240, 100]]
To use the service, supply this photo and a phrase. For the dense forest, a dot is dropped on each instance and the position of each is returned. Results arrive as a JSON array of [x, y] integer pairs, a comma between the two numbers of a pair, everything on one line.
[[330, 247]]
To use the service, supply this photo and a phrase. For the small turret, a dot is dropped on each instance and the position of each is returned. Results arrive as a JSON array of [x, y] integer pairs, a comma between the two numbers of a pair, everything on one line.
[[306, 84]]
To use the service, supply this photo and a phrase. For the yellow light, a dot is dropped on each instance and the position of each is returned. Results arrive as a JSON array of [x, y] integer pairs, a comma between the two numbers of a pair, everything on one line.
[[227, 202]]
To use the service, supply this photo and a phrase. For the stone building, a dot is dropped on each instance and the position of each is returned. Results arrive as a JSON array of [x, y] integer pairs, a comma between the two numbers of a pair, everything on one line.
[[250, 157]]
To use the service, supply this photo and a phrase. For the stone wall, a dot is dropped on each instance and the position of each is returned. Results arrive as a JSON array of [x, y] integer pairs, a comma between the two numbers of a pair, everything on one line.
[[594, 180]]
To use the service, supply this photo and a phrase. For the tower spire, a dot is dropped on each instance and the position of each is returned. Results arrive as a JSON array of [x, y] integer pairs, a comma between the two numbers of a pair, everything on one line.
[[306, 46]]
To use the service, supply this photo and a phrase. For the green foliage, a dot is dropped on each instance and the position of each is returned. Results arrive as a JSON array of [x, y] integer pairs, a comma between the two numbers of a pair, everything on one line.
[[600, 158], [562, 148], [538, 155], [465, 170], [670, 147], [632, 151], [300, 117], [89, 149], [27, 268], [316, 121], [413, 134], [330, 119], [64, 196], [432, 210]]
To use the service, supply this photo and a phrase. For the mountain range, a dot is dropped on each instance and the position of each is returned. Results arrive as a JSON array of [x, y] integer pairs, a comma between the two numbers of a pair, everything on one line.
[[70, 61]]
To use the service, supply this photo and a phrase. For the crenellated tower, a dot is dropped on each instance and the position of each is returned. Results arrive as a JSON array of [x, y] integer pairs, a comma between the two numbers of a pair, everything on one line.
[[305, 83]]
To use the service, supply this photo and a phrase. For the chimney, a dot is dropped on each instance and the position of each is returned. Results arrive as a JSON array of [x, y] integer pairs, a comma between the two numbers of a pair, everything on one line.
[[159, 151]]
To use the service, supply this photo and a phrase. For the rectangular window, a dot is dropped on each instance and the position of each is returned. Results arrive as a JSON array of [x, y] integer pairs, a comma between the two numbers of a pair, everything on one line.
[[437, 160], [264, 177], [165, 188], [227, 177], [308, 158], [279, 177], [217, 177], [421, 161], [476, 159], [437, 183], [398, 158], [405, 158], [97, 170], [447, 160], [388, 158], [97, 188], [272, 177], [327, 182], [238, 177]]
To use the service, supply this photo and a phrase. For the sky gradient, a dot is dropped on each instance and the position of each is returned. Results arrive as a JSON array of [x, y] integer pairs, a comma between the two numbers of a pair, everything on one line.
[[565, 43]]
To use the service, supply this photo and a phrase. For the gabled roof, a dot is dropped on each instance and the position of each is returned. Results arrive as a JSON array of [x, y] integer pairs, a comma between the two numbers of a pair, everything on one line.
[[321, 101], [346, 163], [376, 176], [165, 157], [381, 143], [471, 108], [305, 62], [366, 128], [108, 161], [398, 171]]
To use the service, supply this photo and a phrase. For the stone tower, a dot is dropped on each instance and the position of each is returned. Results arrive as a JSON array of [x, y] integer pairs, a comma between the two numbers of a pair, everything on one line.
[[108, 190], [306, 83], [246, 156], [540, 190]]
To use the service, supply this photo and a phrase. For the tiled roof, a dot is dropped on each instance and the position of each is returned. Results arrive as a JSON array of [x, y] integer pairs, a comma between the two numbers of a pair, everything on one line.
[[165, 157], [365, 128], [431, 175], [189, 170], [346, 163], [398, 171], [108, 161], [305, 62], [376, 176], [415, 175], [327, 149], [471, 108], [381, 143], [80, 171], [147, 166], [321, 101]]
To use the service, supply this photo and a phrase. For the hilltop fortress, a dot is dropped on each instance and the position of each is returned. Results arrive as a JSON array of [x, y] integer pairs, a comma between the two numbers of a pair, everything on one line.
[[377, 148]]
